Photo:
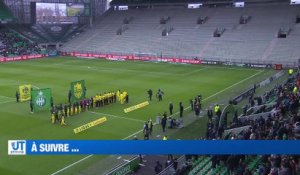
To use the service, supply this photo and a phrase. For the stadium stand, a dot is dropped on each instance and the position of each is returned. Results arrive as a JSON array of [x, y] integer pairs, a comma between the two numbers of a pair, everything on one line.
[[56, 32], [13, 44], [255, 41], [281, 124], [26, 30]]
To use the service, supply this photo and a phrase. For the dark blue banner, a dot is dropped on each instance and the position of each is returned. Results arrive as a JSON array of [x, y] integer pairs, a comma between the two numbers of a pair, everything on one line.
[[202, 147]]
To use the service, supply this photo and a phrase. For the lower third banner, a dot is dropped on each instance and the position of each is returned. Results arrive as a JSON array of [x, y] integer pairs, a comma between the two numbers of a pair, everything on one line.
[[200, 147]]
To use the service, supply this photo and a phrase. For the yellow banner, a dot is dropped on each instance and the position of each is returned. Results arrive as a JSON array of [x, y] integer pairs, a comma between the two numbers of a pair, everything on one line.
[[132, 108], [25, 92], [89, 125]]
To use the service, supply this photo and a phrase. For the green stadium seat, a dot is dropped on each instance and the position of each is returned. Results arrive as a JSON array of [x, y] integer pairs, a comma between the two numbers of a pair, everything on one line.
[[224, 171], [254, 163], [217, 170], [201, 163]]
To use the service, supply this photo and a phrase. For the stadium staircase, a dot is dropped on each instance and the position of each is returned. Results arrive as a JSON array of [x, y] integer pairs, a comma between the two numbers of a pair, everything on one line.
[[201, 166]]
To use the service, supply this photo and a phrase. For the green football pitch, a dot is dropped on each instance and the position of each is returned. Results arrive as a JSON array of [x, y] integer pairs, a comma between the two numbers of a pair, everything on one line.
[[179, 83]]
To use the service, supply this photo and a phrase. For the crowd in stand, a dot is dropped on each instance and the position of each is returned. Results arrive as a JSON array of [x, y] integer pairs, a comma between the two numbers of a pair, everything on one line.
[[12, 44], [282, 124]]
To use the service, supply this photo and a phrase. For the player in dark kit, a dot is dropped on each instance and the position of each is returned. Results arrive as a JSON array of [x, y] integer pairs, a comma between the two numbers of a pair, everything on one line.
[[171, 108], [150, 124], [17, 96], [159, 94], [181, 109], [150, 93], [66, 110], [164, 122], [69, 96], [126, 98], [31, 106], [51, 101]]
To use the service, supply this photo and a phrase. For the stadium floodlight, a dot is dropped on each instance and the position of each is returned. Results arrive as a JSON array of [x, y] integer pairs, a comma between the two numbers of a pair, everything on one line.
[[239, 4], [194, 6], [123, 7]]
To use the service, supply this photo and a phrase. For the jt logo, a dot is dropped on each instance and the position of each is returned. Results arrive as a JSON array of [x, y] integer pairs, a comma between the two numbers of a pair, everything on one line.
[[16, 147]]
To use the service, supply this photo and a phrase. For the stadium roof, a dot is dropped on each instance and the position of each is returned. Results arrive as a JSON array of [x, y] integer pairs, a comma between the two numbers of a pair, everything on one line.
[[117, 2]]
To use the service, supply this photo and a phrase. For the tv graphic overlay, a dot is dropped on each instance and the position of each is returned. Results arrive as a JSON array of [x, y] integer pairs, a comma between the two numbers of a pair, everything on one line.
[[153, 147], [17, 147]]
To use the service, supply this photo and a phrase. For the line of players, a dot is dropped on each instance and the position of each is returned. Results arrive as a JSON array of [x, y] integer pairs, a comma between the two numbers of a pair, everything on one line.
[[59, 112]]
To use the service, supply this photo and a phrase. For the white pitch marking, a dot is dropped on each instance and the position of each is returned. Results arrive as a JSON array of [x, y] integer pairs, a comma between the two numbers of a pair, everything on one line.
[[35, 86], [7, 101], [173, 114], [142, 164], [72, 164], [6, 97]]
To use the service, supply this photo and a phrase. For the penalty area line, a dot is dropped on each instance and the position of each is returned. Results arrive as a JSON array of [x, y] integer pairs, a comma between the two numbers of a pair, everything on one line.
[[172, 115]]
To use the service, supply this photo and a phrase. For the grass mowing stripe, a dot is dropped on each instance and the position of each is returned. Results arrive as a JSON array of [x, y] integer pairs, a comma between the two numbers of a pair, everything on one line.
[[113, 69], [234, 68], [103, 68], [69, 61], [194, 71], [126, 118], [213, 95], [107, 69]]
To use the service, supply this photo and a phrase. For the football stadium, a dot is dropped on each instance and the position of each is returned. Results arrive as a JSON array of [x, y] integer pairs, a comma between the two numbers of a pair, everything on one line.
[[143, 87]]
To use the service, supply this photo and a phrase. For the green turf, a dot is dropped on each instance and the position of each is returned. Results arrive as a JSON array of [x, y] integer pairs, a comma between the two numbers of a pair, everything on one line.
[[179, 82]]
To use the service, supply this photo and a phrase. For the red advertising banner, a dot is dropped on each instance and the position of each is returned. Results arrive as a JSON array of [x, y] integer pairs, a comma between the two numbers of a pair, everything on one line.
[[19, 58], [278, 67], [133, 57]]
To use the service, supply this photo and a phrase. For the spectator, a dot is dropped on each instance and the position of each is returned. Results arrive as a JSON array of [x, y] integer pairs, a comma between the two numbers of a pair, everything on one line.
[[158, 167]]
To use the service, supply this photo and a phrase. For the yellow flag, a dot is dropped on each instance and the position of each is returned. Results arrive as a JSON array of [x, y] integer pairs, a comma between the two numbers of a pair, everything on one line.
[[25, 92]]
